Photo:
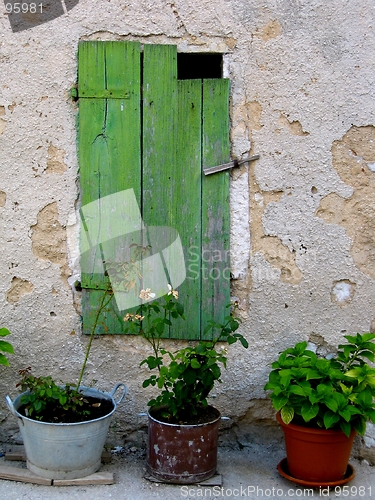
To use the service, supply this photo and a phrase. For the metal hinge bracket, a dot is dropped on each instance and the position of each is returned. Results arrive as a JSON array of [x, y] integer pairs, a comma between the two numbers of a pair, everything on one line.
[[76, 93]]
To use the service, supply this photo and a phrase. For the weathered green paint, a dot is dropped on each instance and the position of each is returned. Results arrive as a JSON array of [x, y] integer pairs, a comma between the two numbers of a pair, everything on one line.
[[109, 145], [158, 135], [187, 201], [158, 138], [215, 202], [109, 137], [156, 141]]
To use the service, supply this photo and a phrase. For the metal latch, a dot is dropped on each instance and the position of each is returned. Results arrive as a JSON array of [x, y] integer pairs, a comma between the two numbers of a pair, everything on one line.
[[231, 164]]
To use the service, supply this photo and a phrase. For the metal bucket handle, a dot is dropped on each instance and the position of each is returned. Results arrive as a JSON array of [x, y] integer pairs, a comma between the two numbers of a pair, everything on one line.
[[9, 402], [124, 392]]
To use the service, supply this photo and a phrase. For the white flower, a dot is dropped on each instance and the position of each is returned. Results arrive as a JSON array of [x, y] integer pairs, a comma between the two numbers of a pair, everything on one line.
[[172, 292], [133, 317], [146, 294]]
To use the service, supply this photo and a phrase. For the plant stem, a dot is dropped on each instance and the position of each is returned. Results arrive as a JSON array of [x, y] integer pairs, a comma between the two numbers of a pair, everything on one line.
[[101, 307]]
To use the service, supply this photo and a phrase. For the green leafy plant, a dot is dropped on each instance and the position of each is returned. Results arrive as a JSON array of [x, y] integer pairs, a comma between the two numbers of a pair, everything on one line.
[[185, 377], [42, 392], [333, 392], [5, 347]]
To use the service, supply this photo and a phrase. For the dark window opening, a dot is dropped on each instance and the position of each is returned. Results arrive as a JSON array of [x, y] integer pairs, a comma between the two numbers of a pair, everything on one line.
[[194, 66]]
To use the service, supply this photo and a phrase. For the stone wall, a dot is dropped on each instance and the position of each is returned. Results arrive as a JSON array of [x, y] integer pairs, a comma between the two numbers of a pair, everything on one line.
[[302, 216]]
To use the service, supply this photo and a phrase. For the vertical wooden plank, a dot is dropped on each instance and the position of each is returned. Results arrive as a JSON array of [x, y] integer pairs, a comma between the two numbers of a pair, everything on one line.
[[186, 209], [159, 160], [215, 202], [109, 140], [159, 115]]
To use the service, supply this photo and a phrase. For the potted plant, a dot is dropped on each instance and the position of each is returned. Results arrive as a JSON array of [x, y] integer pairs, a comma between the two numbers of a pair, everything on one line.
[[5, 347], [322, 402], [182, 426], [64, 427]]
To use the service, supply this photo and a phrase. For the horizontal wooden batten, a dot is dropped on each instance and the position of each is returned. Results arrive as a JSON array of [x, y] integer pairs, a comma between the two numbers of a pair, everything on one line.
[[102, 94]]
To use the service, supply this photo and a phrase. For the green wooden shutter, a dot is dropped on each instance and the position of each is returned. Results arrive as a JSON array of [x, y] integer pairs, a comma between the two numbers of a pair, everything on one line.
[[141, 128]]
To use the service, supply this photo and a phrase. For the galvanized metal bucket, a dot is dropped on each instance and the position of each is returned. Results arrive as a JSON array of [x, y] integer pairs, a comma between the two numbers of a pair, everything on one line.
[[182, 454], [65, 451]]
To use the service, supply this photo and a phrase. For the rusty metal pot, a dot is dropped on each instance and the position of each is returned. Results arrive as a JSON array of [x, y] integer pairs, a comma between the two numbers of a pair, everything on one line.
[[182, 454]]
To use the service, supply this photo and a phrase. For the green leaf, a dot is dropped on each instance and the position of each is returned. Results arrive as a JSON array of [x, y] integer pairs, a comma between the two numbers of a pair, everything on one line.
[[348, 349], [244, 342], [271, 386], [331, 403], [352, 373], [234, 325], [324, 389], [300, 347], [6, 347], [195, 363], [309, 411], [365, 397], [346, 428], [296, 389], [368, 336], [330, 419], [312, 374], [163, 371], [368, 354], [180, 308], [279, 401], [360, 426], [4, 332], [323, 365], [287, 414], [200, 348], [215, 369], [350, 338], [352, 410], [346, 390], [37, 406], [3, 360], [63, 399]]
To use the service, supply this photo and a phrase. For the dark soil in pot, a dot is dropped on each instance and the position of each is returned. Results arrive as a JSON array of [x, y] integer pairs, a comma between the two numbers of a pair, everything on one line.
[[92, 408], [204, 415]]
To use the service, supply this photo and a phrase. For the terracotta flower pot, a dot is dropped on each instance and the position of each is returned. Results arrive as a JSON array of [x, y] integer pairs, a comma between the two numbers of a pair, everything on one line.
[[182, 454], [316, 455]]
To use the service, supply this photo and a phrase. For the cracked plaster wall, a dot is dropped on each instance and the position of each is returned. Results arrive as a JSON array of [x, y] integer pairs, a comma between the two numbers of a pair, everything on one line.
[[302, 216]]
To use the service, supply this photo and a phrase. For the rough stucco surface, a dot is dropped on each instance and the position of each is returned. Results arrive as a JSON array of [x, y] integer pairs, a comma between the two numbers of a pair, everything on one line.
[[302, 237]]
